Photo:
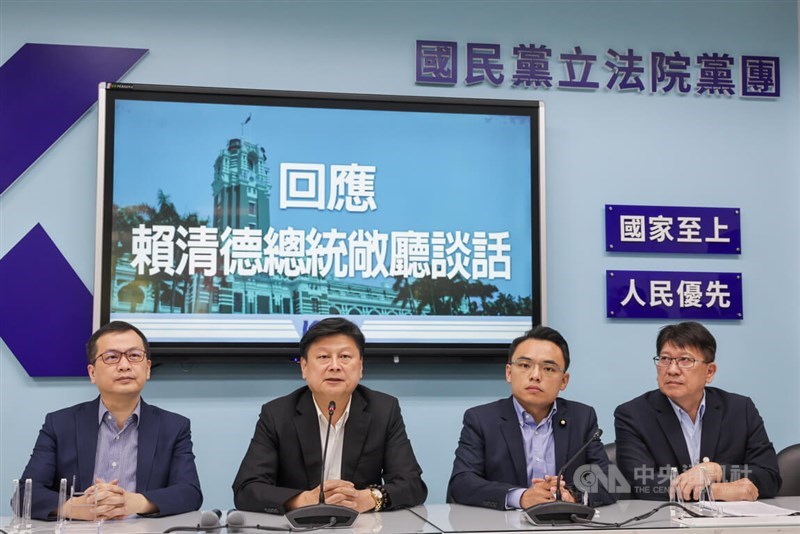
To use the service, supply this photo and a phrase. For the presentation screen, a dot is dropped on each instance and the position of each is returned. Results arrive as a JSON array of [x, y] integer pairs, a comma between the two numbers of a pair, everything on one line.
[[229, 221]]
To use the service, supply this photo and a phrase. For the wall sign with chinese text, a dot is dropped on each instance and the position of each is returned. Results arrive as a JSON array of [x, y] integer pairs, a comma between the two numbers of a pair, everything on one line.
[[536, 66], [673, 229], [673, 295]]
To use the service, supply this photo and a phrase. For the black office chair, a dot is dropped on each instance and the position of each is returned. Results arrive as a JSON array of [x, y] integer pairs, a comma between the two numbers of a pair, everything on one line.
[[611, 451], [789, 466]]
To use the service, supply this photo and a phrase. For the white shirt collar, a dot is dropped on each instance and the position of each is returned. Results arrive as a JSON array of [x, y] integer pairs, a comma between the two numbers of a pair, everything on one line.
[[323, 417], [681, 413]]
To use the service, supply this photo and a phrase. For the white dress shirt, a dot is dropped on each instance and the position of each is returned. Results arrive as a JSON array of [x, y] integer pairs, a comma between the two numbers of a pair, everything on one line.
[[333, 464]]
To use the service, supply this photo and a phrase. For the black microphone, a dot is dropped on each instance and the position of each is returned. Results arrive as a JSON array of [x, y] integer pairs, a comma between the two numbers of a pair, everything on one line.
[[323, 515], [331, 409], [596, 436], [551, 513]]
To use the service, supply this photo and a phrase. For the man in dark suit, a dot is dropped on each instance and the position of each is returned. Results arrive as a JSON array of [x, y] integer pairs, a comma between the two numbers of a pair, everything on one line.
[[688, 425], [127, 456], [511, 450], [370, 463]]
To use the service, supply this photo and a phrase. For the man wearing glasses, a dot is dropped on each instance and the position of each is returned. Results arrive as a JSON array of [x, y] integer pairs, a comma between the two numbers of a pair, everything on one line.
[[713, 438], [127, 456], [511, 450]]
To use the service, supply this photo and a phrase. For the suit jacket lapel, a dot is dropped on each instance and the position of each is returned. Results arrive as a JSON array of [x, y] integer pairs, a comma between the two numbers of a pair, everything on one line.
[[87, 428], [307, 427], [149, 428], [672, 429], [712, 420], [355, 435], [560, 434], [509, 428]]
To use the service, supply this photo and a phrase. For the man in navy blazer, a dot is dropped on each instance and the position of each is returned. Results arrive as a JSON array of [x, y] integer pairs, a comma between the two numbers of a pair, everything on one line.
[[511, 450], [127, 456], [688, 425]]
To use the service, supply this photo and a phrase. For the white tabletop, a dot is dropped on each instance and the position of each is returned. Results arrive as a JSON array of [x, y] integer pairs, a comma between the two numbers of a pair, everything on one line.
[[455, 518], [390, 522], [468, 519]]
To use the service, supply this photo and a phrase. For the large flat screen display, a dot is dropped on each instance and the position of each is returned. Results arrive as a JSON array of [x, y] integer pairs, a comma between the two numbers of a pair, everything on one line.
[[230, 220]]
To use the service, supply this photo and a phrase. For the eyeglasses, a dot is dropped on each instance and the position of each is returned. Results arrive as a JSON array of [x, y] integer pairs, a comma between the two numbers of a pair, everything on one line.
[[684, 362], [113, 357], [547, 369]]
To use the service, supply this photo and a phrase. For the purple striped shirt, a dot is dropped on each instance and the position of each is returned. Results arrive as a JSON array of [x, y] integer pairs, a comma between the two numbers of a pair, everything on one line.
[[117, 450]]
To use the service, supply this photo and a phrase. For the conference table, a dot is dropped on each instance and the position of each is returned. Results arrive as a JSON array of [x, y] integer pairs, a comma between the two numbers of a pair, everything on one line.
[[454, 518], [459, 519]]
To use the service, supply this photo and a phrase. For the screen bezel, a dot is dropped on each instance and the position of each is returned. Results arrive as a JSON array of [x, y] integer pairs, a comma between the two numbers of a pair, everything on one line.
[[238, 352]]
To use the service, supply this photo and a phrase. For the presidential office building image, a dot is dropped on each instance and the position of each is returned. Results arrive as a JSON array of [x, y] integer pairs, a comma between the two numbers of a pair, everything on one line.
[[241, 186]]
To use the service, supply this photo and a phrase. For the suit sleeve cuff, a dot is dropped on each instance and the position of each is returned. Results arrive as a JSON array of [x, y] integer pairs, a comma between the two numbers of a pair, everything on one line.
[[513, 498]]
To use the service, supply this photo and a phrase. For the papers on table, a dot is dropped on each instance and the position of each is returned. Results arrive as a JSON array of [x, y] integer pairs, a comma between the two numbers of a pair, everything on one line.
[[752, 509], [744, 513]]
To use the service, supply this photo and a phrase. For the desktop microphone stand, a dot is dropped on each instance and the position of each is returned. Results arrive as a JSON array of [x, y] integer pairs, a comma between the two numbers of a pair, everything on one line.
[[321, 515], [561, 512]]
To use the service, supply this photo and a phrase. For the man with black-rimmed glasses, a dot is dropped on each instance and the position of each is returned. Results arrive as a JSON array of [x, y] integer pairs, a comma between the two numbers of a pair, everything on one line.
[[126, 456], [713, 438]]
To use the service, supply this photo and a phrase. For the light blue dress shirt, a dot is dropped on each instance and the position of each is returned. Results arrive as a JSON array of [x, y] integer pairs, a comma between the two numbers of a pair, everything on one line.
[[692, 430], [540, 454], [117, 450]]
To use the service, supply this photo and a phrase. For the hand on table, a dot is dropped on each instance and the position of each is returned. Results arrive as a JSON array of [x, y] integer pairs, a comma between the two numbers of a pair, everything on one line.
[[339, 492]]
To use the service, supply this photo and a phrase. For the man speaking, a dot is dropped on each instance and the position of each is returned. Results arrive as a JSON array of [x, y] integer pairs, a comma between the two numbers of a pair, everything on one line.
[[370, 464]]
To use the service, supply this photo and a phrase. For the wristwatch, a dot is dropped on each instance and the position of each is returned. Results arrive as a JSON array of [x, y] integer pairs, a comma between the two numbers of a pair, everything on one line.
[[377, 494]]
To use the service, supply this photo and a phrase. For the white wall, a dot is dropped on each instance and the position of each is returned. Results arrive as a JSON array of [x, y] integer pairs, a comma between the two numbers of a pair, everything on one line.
[[602, 147]]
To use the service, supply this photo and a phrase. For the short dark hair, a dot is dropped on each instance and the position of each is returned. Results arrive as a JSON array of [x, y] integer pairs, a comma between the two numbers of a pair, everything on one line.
[[113, 326], [688, 334], [544, 333], [330, 327]]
